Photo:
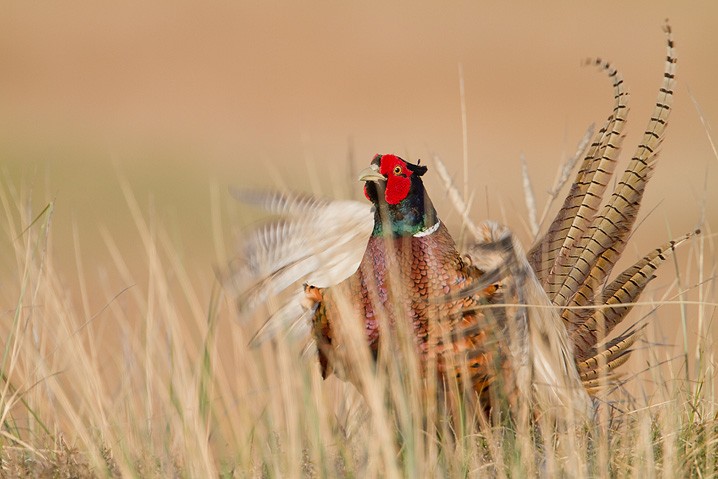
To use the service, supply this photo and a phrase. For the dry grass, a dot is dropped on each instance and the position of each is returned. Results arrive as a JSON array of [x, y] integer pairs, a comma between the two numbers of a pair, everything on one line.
[[159, 382]]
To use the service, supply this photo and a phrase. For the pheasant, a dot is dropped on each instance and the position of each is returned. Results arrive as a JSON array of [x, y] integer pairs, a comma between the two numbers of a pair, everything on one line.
[[412, 274], [492, 315]]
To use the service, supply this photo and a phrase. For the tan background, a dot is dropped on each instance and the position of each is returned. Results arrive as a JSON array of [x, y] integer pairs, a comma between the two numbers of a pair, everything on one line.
[[176, 96]]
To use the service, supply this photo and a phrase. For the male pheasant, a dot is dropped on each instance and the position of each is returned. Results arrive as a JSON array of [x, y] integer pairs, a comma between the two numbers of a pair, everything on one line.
[[492, 313], [412, 274]]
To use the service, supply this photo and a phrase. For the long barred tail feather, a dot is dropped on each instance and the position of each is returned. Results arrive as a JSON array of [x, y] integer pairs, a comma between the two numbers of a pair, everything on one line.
[[575, 258], [549, 257], [618, 296], [605, 240]]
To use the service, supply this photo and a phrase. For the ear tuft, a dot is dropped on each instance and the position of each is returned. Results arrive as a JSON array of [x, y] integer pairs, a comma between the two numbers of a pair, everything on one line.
[[417, 169]]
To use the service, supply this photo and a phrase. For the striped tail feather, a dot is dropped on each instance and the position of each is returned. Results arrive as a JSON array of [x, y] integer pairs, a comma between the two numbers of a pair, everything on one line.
[[542, 255], [586, 325], [575, 258], [599, 370], [592, 193], [605, 240], [585, 195]]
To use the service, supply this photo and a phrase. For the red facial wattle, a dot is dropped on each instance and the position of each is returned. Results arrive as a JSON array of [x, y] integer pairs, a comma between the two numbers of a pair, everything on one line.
[[397, 176]]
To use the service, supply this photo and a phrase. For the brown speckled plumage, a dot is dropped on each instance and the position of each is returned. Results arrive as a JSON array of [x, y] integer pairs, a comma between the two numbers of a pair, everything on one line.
[[426, 273]]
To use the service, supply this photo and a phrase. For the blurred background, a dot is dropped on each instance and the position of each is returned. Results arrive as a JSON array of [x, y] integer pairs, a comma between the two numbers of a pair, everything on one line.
[[177, 98]]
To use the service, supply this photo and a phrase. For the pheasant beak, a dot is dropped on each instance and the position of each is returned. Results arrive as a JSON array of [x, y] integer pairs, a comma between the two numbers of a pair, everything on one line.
[[371, 174]]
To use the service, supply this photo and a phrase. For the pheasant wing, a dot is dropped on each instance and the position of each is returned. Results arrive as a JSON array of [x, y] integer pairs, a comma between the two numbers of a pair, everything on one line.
[[312, 240]]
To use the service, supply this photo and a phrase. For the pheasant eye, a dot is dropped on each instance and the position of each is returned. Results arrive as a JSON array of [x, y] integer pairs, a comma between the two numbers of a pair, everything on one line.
[[397, 170]]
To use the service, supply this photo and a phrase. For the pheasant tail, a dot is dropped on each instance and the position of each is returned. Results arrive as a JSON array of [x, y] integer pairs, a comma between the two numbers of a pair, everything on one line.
[[576, 256]]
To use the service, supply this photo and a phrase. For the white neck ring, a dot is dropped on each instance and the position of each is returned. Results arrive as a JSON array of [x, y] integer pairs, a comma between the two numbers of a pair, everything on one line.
[[428, 231]]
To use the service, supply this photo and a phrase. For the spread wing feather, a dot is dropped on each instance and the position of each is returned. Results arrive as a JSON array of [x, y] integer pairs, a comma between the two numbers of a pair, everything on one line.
[[313, 240]]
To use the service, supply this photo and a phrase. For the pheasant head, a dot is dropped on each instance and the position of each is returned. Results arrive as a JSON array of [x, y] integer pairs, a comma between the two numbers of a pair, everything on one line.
[[401, 204]]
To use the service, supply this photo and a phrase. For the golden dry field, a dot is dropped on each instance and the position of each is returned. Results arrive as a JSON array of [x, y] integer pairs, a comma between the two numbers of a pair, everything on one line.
[[123, 126]]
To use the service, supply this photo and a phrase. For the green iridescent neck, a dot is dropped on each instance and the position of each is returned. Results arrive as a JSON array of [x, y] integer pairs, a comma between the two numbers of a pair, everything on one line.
[[413, 215]]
